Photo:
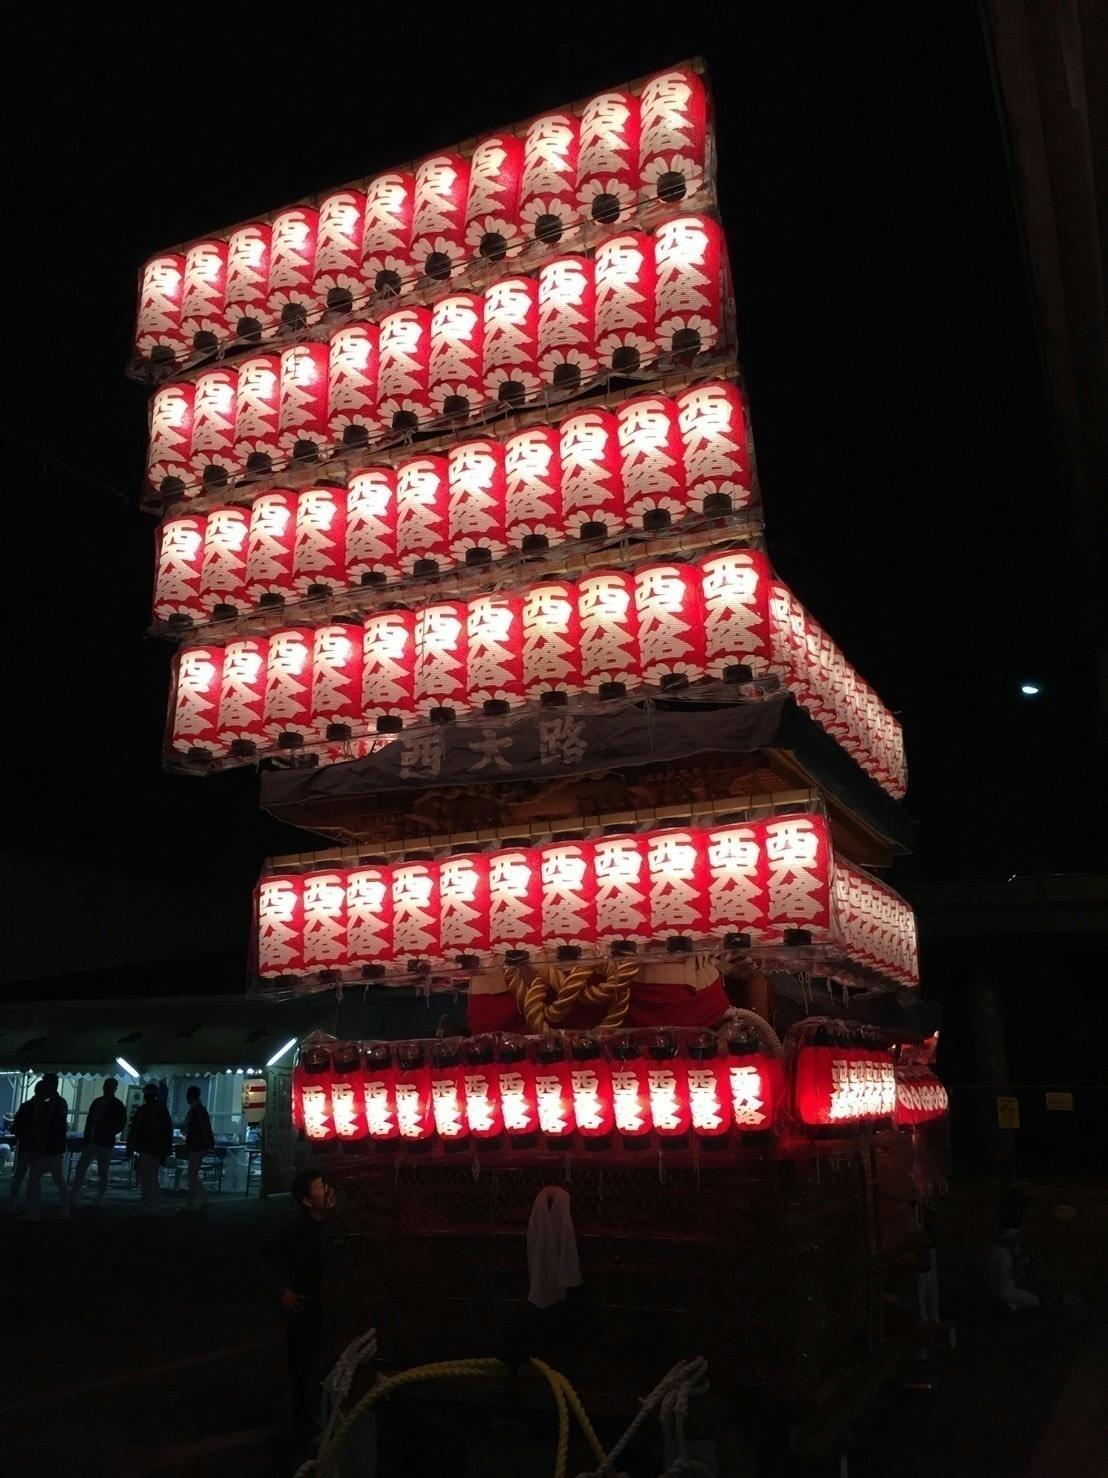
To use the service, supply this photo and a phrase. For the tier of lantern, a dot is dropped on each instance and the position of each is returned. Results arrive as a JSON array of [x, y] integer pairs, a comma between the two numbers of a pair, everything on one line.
[[564, 180]]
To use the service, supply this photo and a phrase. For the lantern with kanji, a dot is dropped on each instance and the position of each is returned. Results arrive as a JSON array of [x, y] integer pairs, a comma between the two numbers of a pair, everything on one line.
[[337, 679], [519, 1107], [709, 1096], [242, 696], [323, 895], [271, 547], [548, 185], [593, 504], [369, 945], [515, 902], [194, 727], [606, 609], [718, 469], [753, 1081], [303, 412], [288, 687], [668, 1084], [492, 202], [625, 303], [439, 221], [566, 330], [920, 1097], [448, 1094], [553, 1089], [677, 867], [734, 590], [258, 413], [348, 1093], [168, 470], [372, 557], [482, 1089], [688, 286], [798, 868], [388, 681], [591, 1083], [411, 1086], [494, 638], [422, 515], [838, 1079], [510, 344], [212, 455], [352, 418], [290, 297], [405, 365], [441, 668], [456, 375], [337, 281], [319, 553], [533, 466], [415, 911], [477, 502], [204, 302], [671, 624], [178, 572], [247, 292], [608, 158], [158, 334], [311, 1087], [653, 462], [387, 237], [280, 926], [622, 880], [672, 140], [630, 1089], [568, 897], [378, 1088], [223, 575], [551, 642], [736, 882], [464, 908]]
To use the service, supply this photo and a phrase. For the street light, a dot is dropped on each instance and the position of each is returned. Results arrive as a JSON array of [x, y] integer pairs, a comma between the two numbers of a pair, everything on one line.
[[280, 1052], [1030, 690]]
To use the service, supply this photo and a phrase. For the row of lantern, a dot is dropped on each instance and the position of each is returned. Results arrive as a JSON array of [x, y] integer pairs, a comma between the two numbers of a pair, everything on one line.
[[578, 318], [749, 882], [404, 227]]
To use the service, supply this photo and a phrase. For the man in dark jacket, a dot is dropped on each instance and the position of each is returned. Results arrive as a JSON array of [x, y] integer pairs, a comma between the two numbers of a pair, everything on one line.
[[199, 1140], [23, 1127], [150, 1139], [105, 1119], [301, 1252], [48, 1136]]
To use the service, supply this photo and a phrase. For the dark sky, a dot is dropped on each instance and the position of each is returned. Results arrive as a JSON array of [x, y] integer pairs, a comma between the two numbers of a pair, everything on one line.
[[902, 431]]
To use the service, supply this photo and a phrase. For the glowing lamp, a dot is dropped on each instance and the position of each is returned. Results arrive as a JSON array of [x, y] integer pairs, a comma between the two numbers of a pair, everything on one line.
[[319, 550], [551, 642], [323, 899], [412, 1090], [422, 515], [311, 1087], [718, 467], [464, 908], [608, 158], [415, 911], [592, 475], [668, 1084], [379, 1093], [388, 674], [736, 881], [212, 457], [337, 679], [708, 1087], [204, 301], [734, 589], [553, 1089], [441, 667], [516, 1090], [258, 413], [456, 375], [568, 897], [492, 201], [753, 1082], [177, 574], [532, 463], [248, 249], [838, 1083], [387, 236], [303, 412], [622, 880], [369, 916], [287, 710], [671, 624], [280, 926], [290, 294], [167, 459], [477, 502], [494, 644], [625, 303], [606, 609], [688, 292], [337, 279], [548, 185], [348, 1093], [484, 1113], [242, 696], [566, 332], [591, 1083], [510, 346], [223, 573], [194, 729], [352, 385], [270, 548], [630, 1088], [678, 871], [405, 365], [672, 140], [653, 462], [439, 220], [371, 515], [448, 1094], [798, 868], [920, 1097], [158, 334], [515, 902]]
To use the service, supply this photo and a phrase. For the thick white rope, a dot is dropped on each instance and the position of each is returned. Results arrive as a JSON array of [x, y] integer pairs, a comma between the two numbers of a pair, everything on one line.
[[671, 1395], [759, 1024], [336, 1388]]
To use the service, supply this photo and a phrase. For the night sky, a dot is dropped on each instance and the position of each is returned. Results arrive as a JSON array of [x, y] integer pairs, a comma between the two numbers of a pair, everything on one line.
[[903, 435]]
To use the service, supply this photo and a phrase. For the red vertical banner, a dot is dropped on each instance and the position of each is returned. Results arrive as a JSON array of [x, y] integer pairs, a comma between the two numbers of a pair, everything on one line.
[[369, 914], [606, 609], [734, 589], [303, 413], [247, 294], [510, 345], [477, 502], [403, 388], [688, 286], [679, 884], [494, 644], [736, 879], [158, 335], [568, 896], [223, 575], [258, 413], [372, 557], [387, 236], [378, 1086], [323, 899], [388, 676], [212, 456], [464, 907], [551, 642], [280, 915], [608, 158], [653, 462], [204, 298], [515, 901], [290, 296], [194, 732], [352, 385], [242, 696], [288, 687], [798, 875], [566, 329], [319, 552], [593, 499], [270, 548], [456, 375], [178, 571], [718, 468], [671, 624], [337, 281], [441, 666], [492, 201], [548, 187], [673, 116], [439, 222], [423, 515], [625, 303], [415, 911], [622, 889], [533, 467], [337, 679], [168, 470]]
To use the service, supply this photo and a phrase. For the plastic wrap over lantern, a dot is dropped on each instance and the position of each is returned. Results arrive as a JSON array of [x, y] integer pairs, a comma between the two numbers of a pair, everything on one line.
[[653, 462], [464, 908], [168, 471], [423, 510], [280, 909], [678, 870], [337, 282], [223, 575], [415, 910], [494, 667], [591, 1081], [441, 666], [387, 236], [622, 889], [158, 335], [673, 119], [533, 467], [551, 645], [456, 375], [439, 220], [566, 336], [609, 633], [718, 470], [798, 866], [177, 575], [625, 303], [548, 187], [734, 588], [477, 502], [492, 203], [303, 414], [258, 413], [242, 695], [378, 1086], [736, 881], [553, 1089], [412, 1088], [515, 901], [405, 365], [608, 158], [592, 475], [194, 732], [671, 624], [568, 896], [212, 459], [510, 346], [668, 1085], [630, 1088], [372, 557], [290, 298], [388, 680], [248, 250], [337, 679], [323, 897], [369, 915], [688, 289], [288, 687], [204, 302], [352, 367], [270, 548], [319, 558]]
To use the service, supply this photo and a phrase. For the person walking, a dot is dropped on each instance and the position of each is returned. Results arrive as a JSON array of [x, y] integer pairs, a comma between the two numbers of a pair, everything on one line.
[[150, 1139], [199, 1141], [51, 1119], [23, 1124], [105, 1118], [301, 1253]]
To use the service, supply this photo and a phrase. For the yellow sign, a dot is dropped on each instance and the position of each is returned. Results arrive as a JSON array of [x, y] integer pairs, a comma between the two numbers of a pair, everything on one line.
[[1008, 1113], [1059, 1103]]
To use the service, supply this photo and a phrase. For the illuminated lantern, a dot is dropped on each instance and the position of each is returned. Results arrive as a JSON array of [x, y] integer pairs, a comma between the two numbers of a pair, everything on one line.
[[533, 466], [248, 312], [352, 385], [242, 696], [798, 867], [625, 303], [477, 502], [736, 881], [412, 1089], [441, 668], [212, 456], [223, 574], [494, 645], [669, 1087], [369, 916], [415, 911], [678, 870], [734, 590], [566, 337], [371, 515], [553, 1089], [258, 413], [195, 726], [840, 1082], [688, 290], [607, 612], [280, 911], [312, 1087], [591, 1082], [456, 375], [337, 281], [177, 576], [548, 186], [337, 679], [348, 1093], [158, 335], [270, 548], [709, 1095], [482, 1089], [448, 1094], [551, 642], [718, 474], [592, 475], [568, 897], [290, 296], [751, 1078], [492, 202], [630, 1089], [303, 413], [510, 345], [167, 459], [653, 462], [204, 302], [464, 908], [671, 624], [422, 515], [288, 687], [387, 237], [622, 885], [323, 896], [920, 1097], [439, 221], [673, 119], [378, 1087], [608, 158], [319, 553], [519, 1107], [404, 369], [388, 674], [515, 901]]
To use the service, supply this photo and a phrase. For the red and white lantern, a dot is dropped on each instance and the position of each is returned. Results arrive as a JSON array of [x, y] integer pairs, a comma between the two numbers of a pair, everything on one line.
[[337, 679], [515, 901], [734, 590], [258, 413], [593, 503], [168, 469], [494, 665], [311, 1088], [668, 1084], [441, 667], [920, 1097], [516, 1089], [412, 1090], [492, 203], [178, 572], [608, 158], [630, 1088], [212, 456], [606, 609], [247, 294], [842, 1083], [566, 337], [303, 413], [288, 687], [753, 1082], [464, 907], [478, 494], [242, 696], [653, 457], [533, 466], [548, 187], [158, 334], [223, 574], [798, 875], [622, 883], [510, 347], [371, 518], [457, 365], [352, 366], [553, 1089], [484, 1114], [709, 1095], [718, 467], [688, 286], [290, 298], [387, 238], [319, 557], [591, 1081], [323, 896], [625, 303], [388, 677], [271, 547], [415, 911], [204, 301], [439, 222], [422, 516], [405, 366], [673, 118], [448, 1094], [348, 1093], [551, 642], [568, 896], [337, 281], [369, 916], [671, 624], [280, 909], [194, 731], [736, 879], [678, 870], [379, 1090]]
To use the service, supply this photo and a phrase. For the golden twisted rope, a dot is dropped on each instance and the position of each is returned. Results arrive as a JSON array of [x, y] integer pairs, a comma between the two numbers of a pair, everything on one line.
[[549, 994]]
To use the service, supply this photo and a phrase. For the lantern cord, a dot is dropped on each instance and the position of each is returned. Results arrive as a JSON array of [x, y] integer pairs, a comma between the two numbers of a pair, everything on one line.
[[759, 1024], [49, 457]]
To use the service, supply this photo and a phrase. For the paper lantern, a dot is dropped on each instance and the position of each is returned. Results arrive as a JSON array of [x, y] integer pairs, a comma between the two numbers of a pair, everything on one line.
[[158, 334], [672, 141], [608, 160], [678, 871], [630, 1088], [415, 911], [593, 501], [551, 642], [405, 363], [484, 1114], [204, 299], [548, 186], [841, 1083], [494, 645], [388, 680], [194, 732], [352, 366], [798, 866], [456, 375], [270, 548], [736, 880], [718, 472], [625, 303], [622, 884], [290, 297], [653, 462], [568, 897], [510, 345], [319, 552], [464, 907], [751, 1079], [448, 1094], [516, 1089], [337, 679], [223, 574], [671, 624], [242, 696], [288, 687], [439, 220], [303, 414], [668, 1084], [492, 203], [708, 1087], [515, 901], [258, 413], [422, 517], [348, 1093], [688, 288], [369, 916], [247, 294], [477, 502], [311, 1086], [554, 1089], [168, 471], [533, 466], [177, 574], [379, 1091], [387, 237], [607, 612], [441, 667], [412, 1089], [920, 1097], [566, 332], [734, 590], [337, 280], [371, 526], [280, 929], [212, 457], [591, 1082], [323, 895]]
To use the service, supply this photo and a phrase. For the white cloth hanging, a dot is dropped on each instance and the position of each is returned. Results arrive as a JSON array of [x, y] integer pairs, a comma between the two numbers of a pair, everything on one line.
[[551, 1248]]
